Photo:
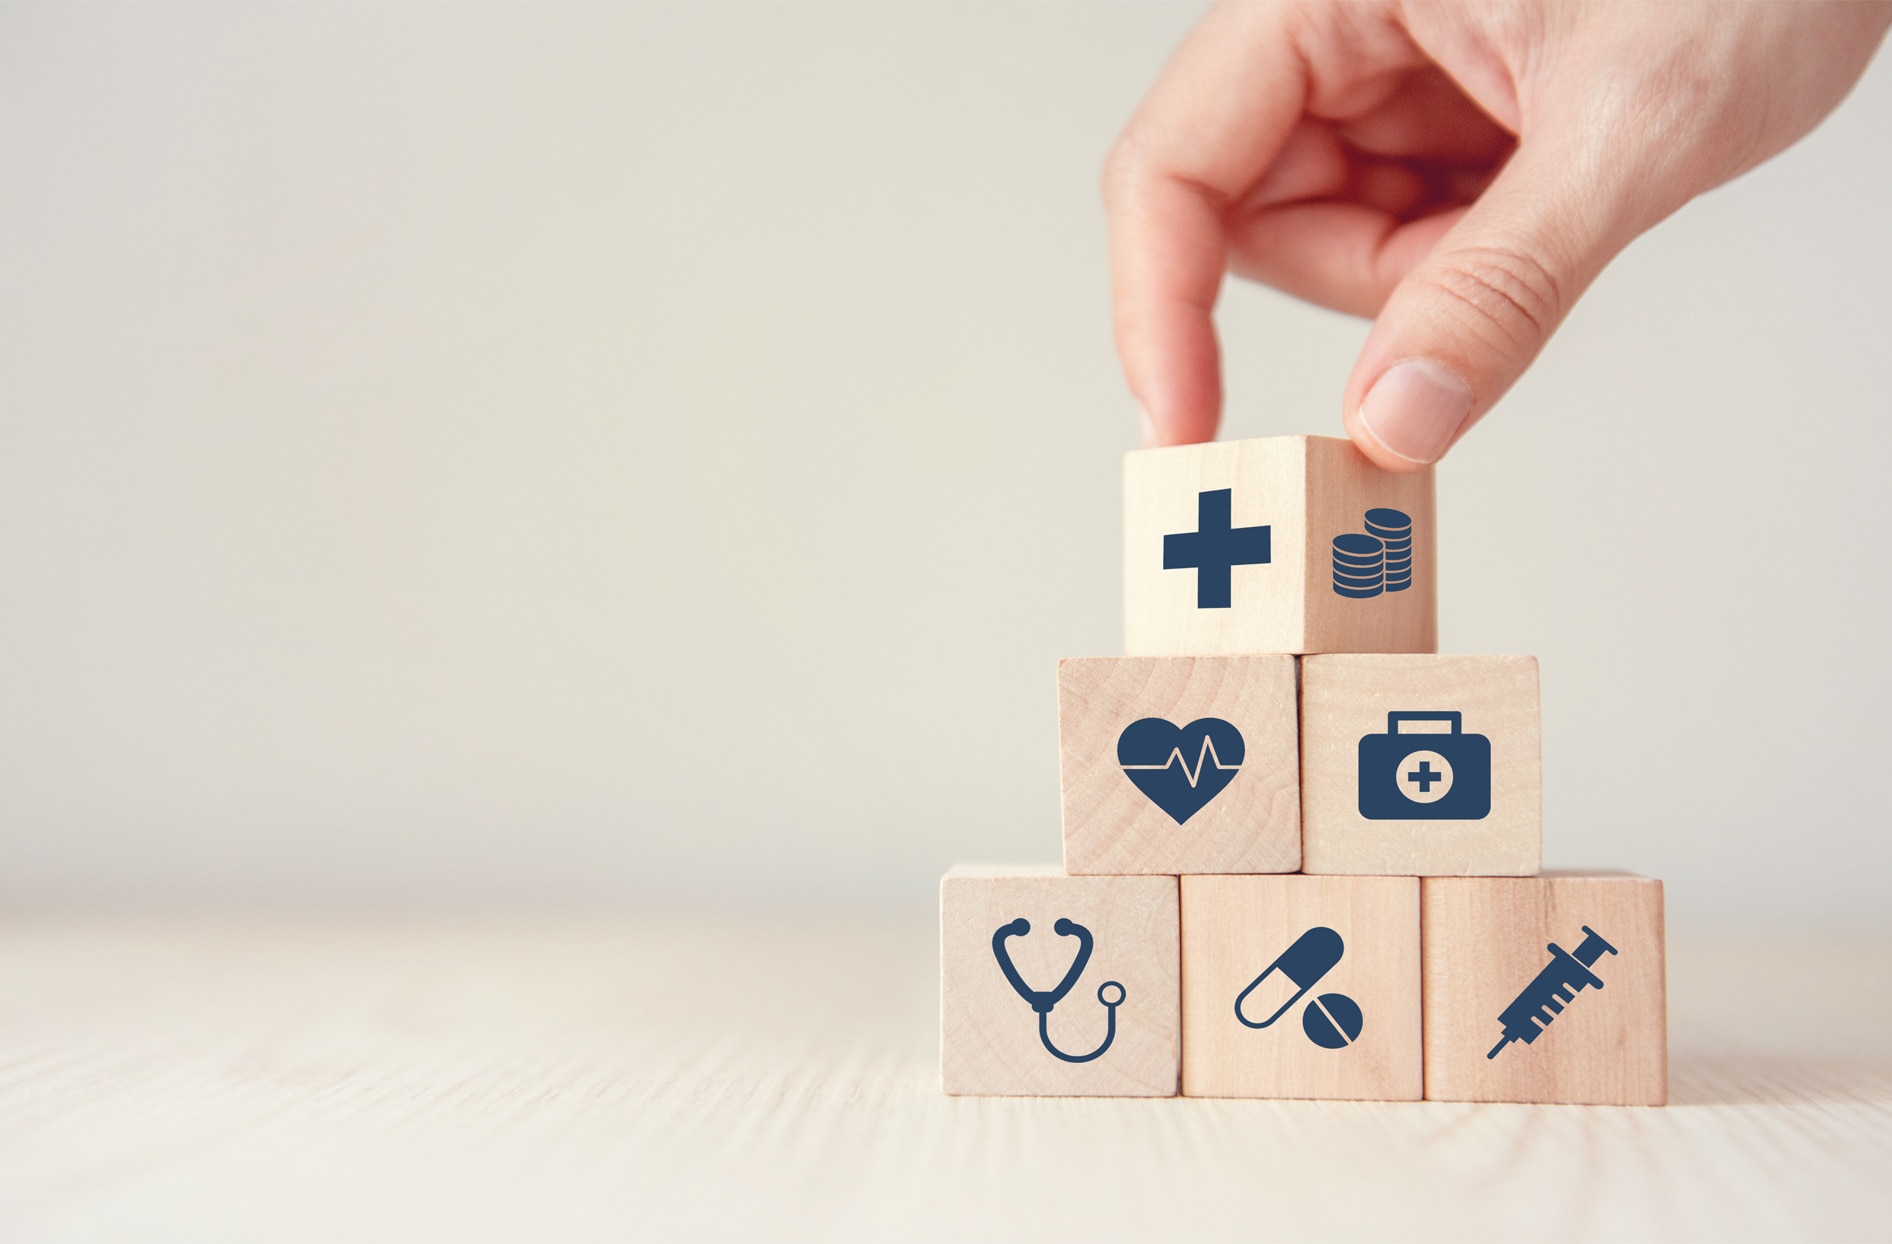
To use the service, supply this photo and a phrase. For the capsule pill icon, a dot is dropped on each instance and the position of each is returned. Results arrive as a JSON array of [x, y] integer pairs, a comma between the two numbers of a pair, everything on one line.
[[1301, 966]]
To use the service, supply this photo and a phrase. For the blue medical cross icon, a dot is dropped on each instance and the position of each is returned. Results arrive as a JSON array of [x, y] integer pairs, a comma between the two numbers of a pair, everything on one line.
[[1425, 775], [1215, 548]]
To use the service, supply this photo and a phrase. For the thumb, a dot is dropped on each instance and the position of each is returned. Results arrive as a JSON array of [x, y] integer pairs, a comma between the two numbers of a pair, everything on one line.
[[1465, 322]]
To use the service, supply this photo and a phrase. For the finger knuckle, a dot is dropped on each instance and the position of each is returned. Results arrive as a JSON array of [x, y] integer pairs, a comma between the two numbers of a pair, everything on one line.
[[1124, 166], [1504, 294]]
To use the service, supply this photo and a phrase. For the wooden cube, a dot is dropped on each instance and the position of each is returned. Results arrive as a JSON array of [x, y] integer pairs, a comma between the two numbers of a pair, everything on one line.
[[1301, 987], [1545, 989], [1420, 765], [1287, 544], [1058, 986], [1179, 764]]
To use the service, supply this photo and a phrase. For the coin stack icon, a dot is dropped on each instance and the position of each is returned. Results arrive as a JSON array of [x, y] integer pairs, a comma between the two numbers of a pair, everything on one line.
[[1379, 561], [1360, 566], [1393, 528]]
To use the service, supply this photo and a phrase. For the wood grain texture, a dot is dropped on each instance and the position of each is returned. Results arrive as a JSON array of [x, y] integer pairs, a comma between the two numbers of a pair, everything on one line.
[[1307, 490], [1346, 698], [685, 1072], [990, 1040], [1486, 939], [1234, 928], [1110, 826]]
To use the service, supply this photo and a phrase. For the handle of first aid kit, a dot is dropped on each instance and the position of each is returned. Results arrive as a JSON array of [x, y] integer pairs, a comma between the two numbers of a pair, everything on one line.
[[1393, 720]]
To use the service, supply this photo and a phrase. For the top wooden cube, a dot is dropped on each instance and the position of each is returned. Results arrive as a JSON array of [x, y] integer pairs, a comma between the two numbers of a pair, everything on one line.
[[1291, 544]]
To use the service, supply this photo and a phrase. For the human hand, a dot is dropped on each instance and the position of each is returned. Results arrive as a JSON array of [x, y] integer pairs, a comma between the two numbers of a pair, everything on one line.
[[1461, 171]]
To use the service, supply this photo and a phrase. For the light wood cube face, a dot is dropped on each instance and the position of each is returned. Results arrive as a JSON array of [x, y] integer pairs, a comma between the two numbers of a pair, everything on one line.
[[1057, 986], [1302, 987], [1421, 765], [1287, 544], [1179, 764], [1545, 989]]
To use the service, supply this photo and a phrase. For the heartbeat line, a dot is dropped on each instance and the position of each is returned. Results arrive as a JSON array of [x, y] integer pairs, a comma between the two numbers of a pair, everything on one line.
[[1202, 759]]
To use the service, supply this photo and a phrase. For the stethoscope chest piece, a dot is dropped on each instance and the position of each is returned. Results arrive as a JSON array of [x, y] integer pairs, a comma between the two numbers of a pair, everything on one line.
[[1042, 1001]]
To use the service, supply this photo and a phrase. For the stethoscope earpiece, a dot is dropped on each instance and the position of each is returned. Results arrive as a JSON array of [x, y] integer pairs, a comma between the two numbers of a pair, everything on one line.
[[1042, 1002]]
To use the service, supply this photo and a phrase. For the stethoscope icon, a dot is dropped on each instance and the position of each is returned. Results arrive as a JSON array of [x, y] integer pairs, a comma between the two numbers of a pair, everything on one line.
[[1043, 1002]]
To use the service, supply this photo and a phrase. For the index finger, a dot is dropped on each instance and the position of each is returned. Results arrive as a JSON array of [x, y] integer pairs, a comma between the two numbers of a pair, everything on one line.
[[1221, 110], [1216, 120]]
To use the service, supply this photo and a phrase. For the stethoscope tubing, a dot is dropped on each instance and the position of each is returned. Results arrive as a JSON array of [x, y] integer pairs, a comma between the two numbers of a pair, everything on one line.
[[1110, 1026], [1043, 1001]]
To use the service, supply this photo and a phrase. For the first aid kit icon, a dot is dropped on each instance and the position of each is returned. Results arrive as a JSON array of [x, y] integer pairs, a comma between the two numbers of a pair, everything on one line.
[[1427, 774]]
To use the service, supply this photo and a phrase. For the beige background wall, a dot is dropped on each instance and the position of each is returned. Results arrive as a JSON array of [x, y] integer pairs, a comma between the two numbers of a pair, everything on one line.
[[535, 454]]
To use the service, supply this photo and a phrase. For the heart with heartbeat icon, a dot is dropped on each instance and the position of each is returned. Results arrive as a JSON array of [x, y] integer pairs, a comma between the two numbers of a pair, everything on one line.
[[1180, 768]]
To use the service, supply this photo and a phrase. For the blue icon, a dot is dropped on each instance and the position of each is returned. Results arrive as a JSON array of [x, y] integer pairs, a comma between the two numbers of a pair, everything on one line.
[[1042, 1002], [1332, 1020], [1215, 547], [1380, 561], [1425, 776], [1156, 756], [1563, 978]]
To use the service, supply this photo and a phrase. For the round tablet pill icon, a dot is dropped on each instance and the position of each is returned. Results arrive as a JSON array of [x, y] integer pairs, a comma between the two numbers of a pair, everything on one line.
[[1332, 1021]]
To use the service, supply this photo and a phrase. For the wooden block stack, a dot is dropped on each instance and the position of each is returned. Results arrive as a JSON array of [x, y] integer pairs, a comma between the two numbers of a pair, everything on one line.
[[1301, 849]]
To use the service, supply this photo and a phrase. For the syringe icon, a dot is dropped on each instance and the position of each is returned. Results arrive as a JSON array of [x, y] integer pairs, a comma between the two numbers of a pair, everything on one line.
[[1562, 979]]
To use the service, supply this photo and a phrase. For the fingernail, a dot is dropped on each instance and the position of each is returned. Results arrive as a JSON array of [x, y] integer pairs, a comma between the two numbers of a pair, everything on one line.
[[1148, 425], [1415, 409]]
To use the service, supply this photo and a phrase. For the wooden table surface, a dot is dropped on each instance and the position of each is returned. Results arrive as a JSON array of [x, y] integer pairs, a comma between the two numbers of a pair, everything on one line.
[[703, 1076]]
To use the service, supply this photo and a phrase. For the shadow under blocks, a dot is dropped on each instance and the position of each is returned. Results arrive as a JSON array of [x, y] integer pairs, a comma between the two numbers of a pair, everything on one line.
[[1302, 847]]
